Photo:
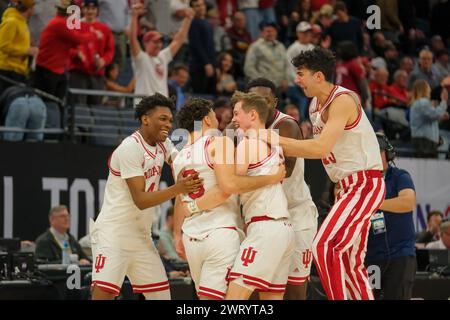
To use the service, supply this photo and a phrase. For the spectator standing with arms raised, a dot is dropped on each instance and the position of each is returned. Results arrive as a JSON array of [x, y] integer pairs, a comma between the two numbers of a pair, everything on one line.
[[151, 65]]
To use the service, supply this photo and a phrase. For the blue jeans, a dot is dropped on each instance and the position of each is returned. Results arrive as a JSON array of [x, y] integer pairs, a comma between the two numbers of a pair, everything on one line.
[[26, 113], [268, 15], [253, 18]]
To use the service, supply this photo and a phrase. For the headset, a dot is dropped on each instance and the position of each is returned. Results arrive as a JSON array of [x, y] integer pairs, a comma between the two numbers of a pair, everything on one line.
[[385, 145]]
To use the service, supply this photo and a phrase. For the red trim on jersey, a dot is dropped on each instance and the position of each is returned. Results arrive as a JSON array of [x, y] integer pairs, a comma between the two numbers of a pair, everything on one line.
[[153, 287], [162, 147], [231, 228], [355, 123], [113, 172], [260, 283], [329, 99], [106, 286], [138, 135], [205, 147], [259, 218], [167, 287], [297, 280], [210, 293], [260, 163]]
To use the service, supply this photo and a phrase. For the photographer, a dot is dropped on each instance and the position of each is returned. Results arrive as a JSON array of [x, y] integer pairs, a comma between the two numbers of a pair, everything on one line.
[[391, 243]]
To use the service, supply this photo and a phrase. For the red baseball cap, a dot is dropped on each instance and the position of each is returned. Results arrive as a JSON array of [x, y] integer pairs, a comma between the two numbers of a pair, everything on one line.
[[152, 36]]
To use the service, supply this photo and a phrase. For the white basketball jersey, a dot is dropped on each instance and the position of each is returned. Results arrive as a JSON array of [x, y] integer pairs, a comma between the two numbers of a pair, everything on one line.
[[269, 200], [295, 188], [120, 222], [194, 159], [357, 149]]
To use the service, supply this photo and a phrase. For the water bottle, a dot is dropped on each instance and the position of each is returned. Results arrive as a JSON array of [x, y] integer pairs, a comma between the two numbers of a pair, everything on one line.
[[66, 253]]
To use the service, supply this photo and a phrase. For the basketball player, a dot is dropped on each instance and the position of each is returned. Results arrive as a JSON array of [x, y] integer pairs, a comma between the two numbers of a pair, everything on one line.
[[211, 238], [265, 254], [348, 147], [121, 236], [302, 210]]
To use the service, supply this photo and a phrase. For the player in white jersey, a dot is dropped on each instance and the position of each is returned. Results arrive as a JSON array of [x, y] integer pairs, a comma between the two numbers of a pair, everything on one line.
[[348, 147], [211, 237], [265, 255], [302, 209], [121, 235]]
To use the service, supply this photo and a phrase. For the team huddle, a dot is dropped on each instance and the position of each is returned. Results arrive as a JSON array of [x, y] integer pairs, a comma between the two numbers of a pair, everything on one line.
[[244, 216]]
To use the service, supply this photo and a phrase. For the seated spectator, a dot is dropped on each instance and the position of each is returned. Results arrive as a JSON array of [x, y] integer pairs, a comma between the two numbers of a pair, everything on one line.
[[15, 48], [88, 60], [23, 109], [49, 245], [424, 118], [431, 233], [111, 84], [444, 242], [437, 44], [407, 65], [224, 113], [165, 244], [444, 125], [177, 82], [425, 70], [224, 7], [225, 80], [378, 43], [380, 89], [221, 40], [324, 17], [442, 64], [399, 90], [111, 75]]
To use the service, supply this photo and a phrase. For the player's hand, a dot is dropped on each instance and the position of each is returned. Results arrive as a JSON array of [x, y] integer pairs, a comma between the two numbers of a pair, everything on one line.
[[189, 184], [84, 262], [189, 13], [280, 174], [179, 246], [209, 70], [444, 95]]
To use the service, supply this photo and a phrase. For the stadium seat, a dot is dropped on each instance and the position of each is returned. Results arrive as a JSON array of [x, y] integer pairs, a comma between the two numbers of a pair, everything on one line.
[[106, 116], [105, 136]]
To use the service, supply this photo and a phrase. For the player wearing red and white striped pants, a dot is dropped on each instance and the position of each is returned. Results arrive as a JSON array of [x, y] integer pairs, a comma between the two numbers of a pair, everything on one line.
[[345, 141], [339, 247]]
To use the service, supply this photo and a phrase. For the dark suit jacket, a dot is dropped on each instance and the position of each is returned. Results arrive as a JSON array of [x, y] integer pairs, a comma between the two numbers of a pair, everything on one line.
[[48, 250]]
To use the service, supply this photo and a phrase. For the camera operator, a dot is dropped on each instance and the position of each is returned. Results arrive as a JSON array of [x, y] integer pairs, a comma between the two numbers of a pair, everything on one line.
[[391, 243]]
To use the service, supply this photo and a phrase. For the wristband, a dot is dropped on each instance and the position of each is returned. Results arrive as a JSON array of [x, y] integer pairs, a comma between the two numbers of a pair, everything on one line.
[[193, 207]]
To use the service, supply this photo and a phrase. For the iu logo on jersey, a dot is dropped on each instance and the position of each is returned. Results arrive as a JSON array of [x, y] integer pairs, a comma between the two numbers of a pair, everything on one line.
[[306, 258], [248, 256], [99, 263]]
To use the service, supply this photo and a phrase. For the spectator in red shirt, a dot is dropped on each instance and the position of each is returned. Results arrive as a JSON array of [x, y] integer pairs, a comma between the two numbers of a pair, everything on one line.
[[399, 89], [350, 72], [88, 60], [53, 59], [224, 7], [380, 90]]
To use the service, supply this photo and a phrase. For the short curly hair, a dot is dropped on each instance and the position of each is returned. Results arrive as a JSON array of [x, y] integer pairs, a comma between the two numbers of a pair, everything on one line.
[[318, 59], [193, 110], [150, 103]]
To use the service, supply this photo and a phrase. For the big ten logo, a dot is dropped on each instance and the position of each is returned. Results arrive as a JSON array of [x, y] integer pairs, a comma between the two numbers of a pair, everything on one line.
[[374, 273], [374, 20], [74, 280], [73, 21]]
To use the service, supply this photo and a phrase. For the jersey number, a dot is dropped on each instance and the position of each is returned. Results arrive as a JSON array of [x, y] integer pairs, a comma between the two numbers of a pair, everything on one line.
[[151, 188], [201, 191], [330, 159]]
